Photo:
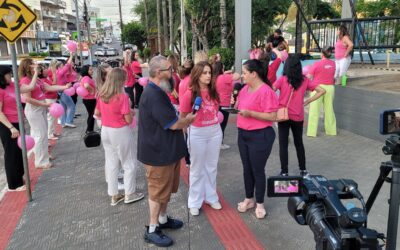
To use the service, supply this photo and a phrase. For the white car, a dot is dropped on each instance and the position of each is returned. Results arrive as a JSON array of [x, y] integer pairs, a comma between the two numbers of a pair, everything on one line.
[[112, 52], [108, 40], [100, 52]]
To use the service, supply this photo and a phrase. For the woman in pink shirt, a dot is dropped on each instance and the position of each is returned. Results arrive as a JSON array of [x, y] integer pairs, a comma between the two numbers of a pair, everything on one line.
[[137, 70], [117, 137], [343, 48], [90, 100], [258, 104], [51, 97], [322, 73], [173, 95], [293, 85], [184, 73], [204, 138], [36, 110], [130, 77], [9, 129]]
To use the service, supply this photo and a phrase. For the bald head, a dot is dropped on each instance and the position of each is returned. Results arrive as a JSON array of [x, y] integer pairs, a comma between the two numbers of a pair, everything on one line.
[[157, 63]]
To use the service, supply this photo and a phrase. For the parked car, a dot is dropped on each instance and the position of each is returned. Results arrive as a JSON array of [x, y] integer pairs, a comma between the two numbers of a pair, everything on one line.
[[108, 40], [112, 52], [100, 52]]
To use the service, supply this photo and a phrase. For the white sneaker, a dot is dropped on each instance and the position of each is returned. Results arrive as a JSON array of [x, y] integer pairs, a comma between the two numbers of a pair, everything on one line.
[[194, 211], [70, 125], [225, 146], [216, 205]]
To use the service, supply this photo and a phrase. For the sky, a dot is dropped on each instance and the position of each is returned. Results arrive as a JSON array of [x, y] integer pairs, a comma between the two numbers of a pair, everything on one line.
[[109, 9]]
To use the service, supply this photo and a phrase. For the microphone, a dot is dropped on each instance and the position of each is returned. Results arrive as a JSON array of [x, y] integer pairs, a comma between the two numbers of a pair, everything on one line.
[[197, 104], [237, 87]]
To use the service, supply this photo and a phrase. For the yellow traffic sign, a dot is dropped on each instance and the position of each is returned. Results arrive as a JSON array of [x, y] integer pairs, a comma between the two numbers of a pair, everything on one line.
[[16, 17]]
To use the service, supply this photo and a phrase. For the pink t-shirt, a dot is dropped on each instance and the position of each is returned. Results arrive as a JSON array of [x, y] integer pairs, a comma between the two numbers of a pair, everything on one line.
[[37, 93], [136, 67], [177, 81], [130, 77], [224, 89], [272, 69], [62, 74], [296, 105], [92, 84], [264, 99], [208, 112], [7, 98], [323, 72], [183, 87], [113, 113], [72, 76], [340, 49], [49, 94]]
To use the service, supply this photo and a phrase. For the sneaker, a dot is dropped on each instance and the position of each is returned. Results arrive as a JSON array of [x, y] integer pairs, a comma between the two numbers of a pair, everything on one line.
[[216, 205], [157, 238], [18, 189], [225, 146], [47, 166], [52, 138], [130, 198], [304, 173], [115, 199], [171, 223], [194, 211], [70, 125], [78, 114], [283, 173]]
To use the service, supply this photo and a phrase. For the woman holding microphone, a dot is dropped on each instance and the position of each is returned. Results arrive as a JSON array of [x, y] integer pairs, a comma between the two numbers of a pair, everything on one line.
[[258, 104], [204, 138], [322, 73], [36, 110]]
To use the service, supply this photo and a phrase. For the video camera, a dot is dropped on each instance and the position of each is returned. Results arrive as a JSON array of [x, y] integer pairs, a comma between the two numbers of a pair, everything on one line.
[[316, 201]]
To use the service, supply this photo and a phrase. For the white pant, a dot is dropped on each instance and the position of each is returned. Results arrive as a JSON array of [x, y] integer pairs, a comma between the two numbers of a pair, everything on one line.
[[118, 146], [51, 120], [204, 145], [342, 65], [37, 118]]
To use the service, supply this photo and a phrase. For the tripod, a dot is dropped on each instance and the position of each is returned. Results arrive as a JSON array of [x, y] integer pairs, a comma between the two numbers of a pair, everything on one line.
[[392, 147]]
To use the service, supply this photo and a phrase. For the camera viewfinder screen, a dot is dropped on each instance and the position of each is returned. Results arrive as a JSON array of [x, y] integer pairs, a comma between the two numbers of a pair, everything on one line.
[[286, 186], [393, 122]]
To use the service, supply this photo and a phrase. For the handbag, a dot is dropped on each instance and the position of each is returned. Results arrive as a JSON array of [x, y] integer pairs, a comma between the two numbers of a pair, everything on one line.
[[283, 113], [92, 139]]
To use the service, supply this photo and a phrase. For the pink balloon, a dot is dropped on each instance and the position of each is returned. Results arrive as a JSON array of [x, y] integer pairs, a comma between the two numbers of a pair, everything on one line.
[[143, 81], [72, 46], [29, 141], [306, 69], [76, 85], [56, 110], [220, 117], [82, 92], [284, 55], [70, 91], [133, 124]]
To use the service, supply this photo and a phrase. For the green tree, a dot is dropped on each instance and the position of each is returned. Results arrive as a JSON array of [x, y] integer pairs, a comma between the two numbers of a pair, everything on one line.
[[325, 10], [378, 8], [134, 33]]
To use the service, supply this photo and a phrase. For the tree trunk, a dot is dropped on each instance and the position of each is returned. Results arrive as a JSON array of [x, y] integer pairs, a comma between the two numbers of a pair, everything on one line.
[[299, 30], [201, 36], [165, 25], [224, 40], [194, 38], [146, 20], [171, 27], [158, 27], [183, 33]]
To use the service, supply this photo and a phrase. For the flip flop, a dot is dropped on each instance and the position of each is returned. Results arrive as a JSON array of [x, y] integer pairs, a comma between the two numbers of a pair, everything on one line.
[[243, 207]]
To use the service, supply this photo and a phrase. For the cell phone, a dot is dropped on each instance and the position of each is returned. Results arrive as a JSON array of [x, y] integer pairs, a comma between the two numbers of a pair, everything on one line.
[[284, 186], [230, 110], [390, 122]]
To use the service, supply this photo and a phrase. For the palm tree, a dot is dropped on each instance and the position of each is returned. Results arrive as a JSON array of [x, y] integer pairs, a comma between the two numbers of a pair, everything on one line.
[[309, 8], [222, 8], [171, 27], [158, 26], [165, 24]]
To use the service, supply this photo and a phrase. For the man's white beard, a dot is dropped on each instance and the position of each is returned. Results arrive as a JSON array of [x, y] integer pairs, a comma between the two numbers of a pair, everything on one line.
[[164, 85]]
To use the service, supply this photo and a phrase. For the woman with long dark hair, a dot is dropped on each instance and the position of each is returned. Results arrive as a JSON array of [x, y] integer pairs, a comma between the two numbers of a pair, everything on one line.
[[137, 70], [292, 86], [204, 138], [258, 104], [90, 100], [9, 128], [130, 77], [343, 48], [173, 96]]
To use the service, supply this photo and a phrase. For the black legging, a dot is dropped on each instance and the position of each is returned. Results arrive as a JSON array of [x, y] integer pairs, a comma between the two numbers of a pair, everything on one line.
[[90, 105], [75, 98], [225, 121], [129, 91], [138, 91], [12, 157], [297, 130], [255, 147]]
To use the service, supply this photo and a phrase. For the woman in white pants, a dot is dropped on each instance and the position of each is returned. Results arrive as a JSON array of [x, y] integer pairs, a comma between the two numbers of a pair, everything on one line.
[[36, 110], [51, 97], [343, 48], [114, 111], [204, 138]]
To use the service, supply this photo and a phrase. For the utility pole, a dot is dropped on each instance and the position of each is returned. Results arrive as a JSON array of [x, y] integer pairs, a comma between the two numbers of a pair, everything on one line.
[[87, 23], [147, 21], [158, 26], [183, 33], [121, 24], [78, 29]]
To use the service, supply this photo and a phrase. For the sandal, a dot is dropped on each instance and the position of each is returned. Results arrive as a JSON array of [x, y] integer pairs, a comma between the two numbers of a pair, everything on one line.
[[243, 207], [260, 213], [47, 166]]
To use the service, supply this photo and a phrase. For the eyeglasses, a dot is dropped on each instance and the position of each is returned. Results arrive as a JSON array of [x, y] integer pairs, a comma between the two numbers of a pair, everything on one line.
[[168, 69]]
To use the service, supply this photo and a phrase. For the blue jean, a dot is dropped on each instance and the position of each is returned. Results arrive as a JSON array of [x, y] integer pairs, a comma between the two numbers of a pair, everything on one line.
[[69, 108]]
